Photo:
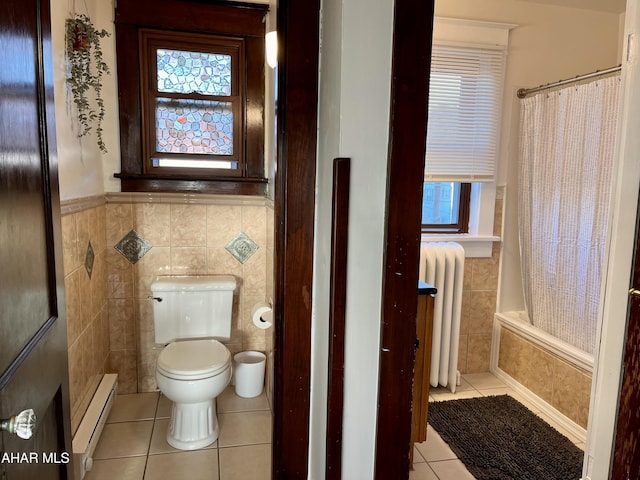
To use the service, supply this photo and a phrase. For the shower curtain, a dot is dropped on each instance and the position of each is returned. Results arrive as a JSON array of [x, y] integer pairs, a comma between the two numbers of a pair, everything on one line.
[[567, 139]]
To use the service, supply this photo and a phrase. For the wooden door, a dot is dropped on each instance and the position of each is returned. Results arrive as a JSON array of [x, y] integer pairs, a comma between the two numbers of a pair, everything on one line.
[[626, 454], [33, 352]]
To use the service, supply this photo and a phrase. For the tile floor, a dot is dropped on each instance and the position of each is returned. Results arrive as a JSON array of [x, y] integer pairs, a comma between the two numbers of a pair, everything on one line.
[[133, 444], [433, 459]]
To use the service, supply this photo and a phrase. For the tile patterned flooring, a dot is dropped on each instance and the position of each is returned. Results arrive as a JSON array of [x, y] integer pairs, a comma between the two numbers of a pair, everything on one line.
[[133, 444], [433, 459]]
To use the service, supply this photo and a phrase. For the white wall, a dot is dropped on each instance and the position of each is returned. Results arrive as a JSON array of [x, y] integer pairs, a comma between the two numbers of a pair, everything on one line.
[[354, 119], [607, 375], [83, 170]]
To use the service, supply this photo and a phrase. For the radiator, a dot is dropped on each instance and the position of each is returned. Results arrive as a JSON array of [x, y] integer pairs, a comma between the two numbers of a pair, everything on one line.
[[442, 265], [88, 433]]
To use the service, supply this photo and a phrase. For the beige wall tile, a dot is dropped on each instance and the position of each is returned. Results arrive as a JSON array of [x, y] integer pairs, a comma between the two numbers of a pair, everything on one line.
[[479, 351], [482, 311], [153, 222], [119, 275], [72, 304], [179, 234], [188, 226], [70, 255], [221, 262], [157, 261], [537, 371], [484, 274], [224, 222], [254, 224], [119, 222], [188, 261], [571, 392], [462, 353], [255, 275], [123, 363]]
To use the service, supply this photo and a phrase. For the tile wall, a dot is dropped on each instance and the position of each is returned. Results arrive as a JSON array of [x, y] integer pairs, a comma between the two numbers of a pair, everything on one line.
[[479, 302], [85, 278], [187, 235], [564, 386]]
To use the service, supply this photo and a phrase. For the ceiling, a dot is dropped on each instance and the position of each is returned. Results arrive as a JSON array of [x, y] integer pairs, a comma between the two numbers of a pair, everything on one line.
[[611, 6]]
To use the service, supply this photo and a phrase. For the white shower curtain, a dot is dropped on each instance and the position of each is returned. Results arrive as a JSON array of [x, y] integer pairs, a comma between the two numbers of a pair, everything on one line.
[[567, 139]]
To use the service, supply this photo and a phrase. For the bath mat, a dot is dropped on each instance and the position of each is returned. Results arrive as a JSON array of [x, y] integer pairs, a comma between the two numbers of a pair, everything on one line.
[[498, 438]]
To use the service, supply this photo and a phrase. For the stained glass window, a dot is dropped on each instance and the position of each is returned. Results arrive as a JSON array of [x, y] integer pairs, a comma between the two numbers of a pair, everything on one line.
[[193, 72], [194, 126]]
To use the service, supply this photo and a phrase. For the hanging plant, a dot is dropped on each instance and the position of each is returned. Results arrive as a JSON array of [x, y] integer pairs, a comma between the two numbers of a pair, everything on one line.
[[86, 68]]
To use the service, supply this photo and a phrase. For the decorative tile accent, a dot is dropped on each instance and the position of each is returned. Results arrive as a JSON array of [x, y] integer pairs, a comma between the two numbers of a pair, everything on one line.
[[89, 259], [133, 247], [242, 247]]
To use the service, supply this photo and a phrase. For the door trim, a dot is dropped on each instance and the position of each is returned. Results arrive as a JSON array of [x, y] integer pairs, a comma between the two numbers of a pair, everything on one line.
[[297, 108], [413, 25]]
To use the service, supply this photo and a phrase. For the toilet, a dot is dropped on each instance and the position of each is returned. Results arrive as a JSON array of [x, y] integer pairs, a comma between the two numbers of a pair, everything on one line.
[[191, 314]]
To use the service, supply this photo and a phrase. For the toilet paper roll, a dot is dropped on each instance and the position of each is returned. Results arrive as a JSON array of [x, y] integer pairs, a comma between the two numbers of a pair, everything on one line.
[[262, 315]]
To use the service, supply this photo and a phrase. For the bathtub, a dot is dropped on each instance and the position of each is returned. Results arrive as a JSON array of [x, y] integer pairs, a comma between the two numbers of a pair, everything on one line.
[[551, 375]]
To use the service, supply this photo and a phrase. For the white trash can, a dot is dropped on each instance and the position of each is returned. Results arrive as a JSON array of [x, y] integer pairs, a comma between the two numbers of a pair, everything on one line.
[[249, 373]]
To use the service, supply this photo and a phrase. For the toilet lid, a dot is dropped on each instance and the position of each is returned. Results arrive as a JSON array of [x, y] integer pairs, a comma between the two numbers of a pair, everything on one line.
[[194, 358]]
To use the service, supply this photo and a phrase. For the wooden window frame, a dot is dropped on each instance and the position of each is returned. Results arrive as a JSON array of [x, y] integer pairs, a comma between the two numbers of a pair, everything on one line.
[[189, 19], [152, 40], [462, 225]]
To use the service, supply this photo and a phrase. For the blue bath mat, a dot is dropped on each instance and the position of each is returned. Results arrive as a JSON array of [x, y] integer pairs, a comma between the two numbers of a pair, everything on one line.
[[498, 438]]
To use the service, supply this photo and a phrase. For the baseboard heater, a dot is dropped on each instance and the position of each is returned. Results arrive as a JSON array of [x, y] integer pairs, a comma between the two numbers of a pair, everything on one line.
[[90, 429]]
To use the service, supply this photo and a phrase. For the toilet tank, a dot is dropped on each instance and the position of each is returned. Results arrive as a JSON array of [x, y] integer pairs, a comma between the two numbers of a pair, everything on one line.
[[192, 307]]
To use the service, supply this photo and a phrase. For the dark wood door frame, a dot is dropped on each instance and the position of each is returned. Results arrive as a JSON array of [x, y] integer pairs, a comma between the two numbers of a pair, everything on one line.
[[413, 25], [626, 452], [297, 107]]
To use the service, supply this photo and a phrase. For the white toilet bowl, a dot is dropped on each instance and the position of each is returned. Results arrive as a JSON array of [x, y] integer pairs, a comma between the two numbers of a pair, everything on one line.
[[192, 373]]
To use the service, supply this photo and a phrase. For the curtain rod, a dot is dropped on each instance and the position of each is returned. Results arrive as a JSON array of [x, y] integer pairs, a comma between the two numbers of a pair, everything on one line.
[[523, 92]]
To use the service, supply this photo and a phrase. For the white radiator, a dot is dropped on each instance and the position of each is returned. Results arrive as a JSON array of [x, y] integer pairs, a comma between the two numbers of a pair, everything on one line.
[[88, 433], [442, 265]]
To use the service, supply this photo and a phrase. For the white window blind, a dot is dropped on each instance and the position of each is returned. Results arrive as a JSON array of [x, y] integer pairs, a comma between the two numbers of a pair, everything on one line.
[[465, 95]]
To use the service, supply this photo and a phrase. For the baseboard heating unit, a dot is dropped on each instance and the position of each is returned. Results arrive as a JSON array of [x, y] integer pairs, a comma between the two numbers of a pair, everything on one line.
[[88, 433]]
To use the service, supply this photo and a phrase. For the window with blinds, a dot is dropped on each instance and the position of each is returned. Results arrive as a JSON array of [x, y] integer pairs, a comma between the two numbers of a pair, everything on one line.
[[465, 95]]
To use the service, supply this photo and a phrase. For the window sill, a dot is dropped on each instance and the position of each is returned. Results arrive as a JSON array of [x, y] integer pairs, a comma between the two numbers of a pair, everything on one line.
[[230, 186], [475, 246]]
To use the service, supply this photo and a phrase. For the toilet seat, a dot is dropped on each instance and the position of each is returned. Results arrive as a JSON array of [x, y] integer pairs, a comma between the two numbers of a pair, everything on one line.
[[193, 359]]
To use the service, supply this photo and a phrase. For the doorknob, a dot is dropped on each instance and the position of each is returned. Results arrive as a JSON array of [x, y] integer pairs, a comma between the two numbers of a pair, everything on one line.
[[22, 424], [634, 293]]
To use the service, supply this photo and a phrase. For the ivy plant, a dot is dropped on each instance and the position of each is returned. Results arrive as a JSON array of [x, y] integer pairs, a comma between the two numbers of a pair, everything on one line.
[[85, 70]]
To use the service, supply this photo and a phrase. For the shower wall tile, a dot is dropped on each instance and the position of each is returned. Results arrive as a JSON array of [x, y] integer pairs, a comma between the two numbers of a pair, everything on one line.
[[572, 392], [538, 370], [564, 386], [88, 339]]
